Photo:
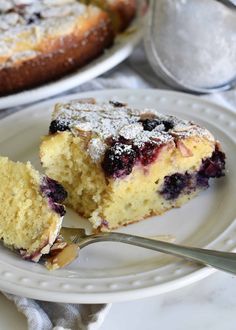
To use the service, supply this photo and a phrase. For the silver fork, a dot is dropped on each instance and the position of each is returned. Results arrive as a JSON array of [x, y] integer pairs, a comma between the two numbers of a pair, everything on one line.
[[226, 261], [228, 3]]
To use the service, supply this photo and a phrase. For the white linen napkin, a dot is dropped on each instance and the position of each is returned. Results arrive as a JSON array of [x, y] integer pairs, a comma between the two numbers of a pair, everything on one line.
[[41, 315]]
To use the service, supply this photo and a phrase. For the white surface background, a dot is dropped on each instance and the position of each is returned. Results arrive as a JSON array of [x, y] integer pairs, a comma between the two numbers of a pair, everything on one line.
[[209, 304]]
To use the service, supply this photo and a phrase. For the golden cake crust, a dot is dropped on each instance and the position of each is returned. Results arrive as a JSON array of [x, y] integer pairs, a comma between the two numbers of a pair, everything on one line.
[[121, 12], [124, 10]]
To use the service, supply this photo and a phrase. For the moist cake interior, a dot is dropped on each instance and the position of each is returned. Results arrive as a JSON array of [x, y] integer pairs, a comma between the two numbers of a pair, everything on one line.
[[30, 208]]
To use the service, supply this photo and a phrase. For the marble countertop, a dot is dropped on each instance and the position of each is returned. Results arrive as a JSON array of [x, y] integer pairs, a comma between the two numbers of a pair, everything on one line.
[[208, 304]]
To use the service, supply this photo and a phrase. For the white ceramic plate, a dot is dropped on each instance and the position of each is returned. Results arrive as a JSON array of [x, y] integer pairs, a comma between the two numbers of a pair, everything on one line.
[[122, 48], [109, 272]]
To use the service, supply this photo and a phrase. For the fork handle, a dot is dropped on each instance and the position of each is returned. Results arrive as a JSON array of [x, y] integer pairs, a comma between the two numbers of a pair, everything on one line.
[[225, 261]]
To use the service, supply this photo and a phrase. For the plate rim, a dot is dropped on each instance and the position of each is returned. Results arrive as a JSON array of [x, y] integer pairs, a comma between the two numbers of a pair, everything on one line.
[[133, 293], [111, 297]]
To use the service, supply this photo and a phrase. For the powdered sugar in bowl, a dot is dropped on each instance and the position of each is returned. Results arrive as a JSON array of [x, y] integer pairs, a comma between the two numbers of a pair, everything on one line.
[[191, 44]]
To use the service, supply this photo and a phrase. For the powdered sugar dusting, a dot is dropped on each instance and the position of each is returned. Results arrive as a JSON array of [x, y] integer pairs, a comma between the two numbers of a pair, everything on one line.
[[105, 121], [96, 149], [131, 131], [193, 130]]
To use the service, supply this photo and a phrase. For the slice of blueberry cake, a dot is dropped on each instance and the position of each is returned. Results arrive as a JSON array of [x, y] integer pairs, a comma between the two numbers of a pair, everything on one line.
[[30, 208], [121, 164]]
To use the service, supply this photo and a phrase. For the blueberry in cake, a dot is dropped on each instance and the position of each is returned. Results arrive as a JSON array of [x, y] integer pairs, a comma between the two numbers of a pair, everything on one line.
[[42, 40], [121, 164], [31, 210]]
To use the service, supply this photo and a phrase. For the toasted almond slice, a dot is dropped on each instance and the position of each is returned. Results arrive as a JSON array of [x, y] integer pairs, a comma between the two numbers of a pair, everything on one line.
[[89, 100], [185, 152], [63, 258]]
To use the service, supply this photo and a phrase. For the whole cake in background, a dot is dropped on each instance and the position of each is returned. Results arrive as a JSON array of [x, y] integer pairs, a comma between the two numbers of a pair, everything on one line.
[[121, 164], [42, 40], [31, 210]]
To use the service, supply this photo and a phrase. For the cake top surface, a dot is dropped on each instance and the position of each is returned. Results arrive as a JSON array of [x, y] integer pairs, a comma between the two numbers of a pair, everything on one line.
[[24, 25], [19, 14], [107, 123]]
